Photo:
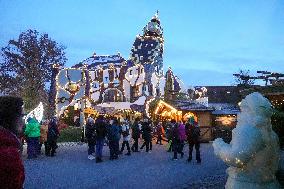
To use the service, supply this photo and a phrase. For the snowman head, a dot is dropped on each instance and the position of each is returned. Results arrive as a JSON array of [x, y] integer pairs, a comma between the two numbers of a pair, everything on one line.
[[256, 111]]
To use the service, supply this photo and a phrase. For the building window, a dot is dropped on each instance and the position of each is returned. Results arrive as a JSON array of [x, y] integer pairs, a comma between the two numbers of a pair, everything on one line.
[[158, 92], [112, 95]]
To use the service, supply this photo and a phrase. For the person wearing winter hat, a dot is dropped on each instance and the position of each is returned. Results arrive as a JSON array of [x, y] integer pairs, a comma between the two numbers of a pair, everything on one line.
[[32, 131], [126, 136], [193, 138]]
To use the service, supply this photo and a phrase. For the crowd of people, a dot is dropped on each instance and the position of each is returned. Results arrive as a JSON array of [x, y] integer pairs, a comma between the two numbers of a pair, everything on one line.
[[111, 130], [37, 134], [98, 132]]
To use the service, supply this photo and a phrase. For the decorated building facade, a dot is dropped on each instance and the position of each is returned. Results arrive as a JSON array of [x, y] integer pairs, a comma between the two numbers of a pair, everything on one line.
[[113, 81]]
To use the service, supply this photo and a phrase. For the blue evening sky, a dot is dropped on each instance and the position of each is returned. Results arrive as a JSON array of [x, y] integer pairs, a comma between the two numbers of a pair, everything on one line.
[[205, 41]]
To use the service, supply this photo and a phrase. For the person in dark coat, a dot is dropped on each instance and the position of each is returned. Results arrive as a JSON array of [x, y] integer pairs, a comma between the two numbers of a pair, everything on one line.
[[12, 173], [91, 137], [159, 131], [176, 141], [136, 127], [101, 131], [169, 130], [147, 135], [52, 135], [193, 138], [113, 136]]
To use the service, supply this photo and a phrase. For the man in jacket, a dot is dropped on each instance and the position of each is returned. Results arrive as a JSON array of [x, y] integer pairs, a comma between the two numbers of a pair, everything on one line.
[[32, 132], [136, 134], [113, 135], [147, 135], [12, 174], [101, 134], [52, 136], [193, 135]]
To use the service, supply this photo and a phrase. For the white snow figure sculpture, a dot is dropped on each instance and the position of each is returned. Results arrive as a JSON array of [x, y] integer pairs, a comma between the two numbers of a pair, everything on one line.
[[253, 154]]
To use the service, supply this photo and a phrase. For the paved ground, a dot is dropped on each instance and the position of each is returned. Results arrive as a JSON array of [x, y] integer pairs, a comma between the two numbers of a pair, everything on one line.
[[71, 169]]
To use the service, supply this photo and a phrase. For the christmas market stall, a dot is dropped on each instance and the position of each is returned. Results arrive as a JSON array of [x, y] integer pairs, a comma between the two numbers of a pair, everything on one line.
[[201, 113], [166, 112]]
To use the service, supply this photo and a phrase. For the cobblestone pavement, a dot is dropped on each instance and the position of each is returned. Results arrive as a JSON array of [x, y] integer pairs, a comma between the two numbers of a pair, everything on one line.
[[71, 169]]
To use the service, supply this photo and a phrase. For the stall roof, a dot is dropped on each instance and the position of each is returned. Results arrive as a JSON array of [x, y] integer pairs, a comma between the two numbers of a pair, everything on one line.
[[226, 112], [189, 106]]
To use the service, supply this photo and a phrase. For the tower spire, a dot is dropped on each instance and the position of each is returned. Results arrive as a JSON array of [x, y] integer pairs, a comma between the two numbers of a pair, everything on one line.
[[157, 15]]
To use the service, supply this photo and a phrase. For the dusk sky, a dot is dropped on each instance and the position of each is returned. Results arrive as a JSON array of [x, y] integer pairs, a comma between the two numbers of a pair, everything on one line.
[[205, 41]]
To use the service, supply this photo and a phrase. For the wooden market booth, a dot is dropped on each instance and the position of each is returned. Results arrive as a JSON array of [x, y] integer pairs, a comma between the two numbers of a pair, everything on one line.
[[182, 111], [164, 112]]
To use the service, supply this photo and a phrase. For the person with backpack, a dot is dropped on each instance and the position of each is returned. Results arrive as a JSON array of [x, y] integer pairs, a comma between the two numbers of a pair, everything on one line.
[[136, 131], [126, 137], [32, 131], [52, 135], [101, 131], [193, 138], [113, 136], [91, 137]]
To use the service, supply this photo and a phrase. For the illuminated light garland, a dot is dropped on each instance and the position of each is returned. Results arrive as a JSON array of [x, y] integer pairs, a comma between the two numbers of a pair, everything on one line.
[[147, 106], [165, 104], [80, 83]]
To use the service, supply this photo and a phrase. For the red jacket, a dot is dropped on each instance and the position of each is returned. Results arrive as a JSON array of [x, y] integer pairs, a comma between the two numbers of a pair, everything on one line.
[[12, 174]]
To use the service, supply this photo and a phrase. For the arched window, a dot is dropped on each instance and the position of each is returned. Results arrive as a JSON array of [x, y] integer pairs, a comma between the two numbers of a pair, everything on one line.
[[112, 95]]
